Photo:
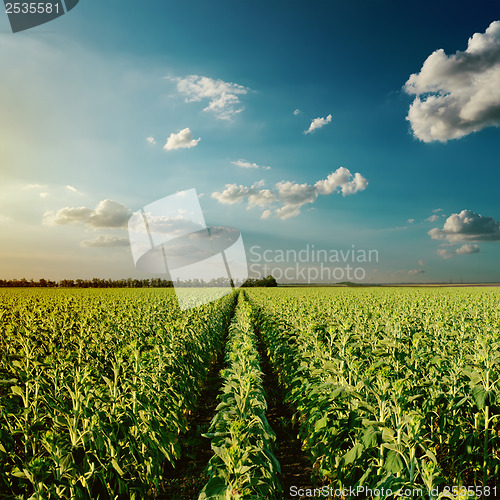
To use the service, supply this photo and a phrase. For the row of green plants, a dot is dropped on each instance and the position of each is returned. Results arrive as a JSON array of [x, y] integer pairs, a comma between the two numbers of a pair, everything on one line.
[[243, 465], [393, 389], [96, 388]]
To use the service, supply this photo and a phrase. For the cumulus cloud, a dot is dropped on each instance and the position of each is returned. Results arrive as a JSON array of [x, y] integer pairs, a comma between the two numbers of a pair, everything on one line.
[[318, 123], [466, 249], [151, 140], [108, 213], [106, 241], [457, 94], [467, 226], [342, 179], [296, 112], [414, 272], [289, 195], [432, 218], [233, 194], [247, 164], [182, 140], [411, 221], [222, 96]]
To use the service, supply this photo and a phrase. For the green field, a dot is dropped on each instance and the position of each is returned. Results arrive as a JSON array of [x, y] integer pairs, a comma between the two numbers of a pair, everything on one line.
[[388, 392]]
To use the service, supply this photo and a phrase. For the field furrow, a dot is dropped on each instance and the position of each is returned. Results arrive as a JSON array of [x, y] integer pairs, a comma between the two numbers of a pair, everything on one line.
[[243, 465]]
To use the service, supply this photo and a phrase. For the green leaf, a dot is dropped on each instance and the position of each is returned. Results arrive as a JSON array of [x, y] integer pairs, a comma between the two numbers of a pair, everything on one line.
[[353, 454], [118, 469], [18, 473], [320, 423], [371, 437], [393, 462], [17, 390], [483, 398], [215, 489]]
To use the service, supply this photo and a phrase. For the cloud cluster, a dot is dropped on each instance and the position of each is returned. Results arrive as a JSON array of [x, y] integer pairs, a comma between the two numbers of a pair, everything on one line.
[[222, 96], [290, 195], [457, 94], [108, 213], [467, 226], [318, 123], [247, 164], [181, 140]]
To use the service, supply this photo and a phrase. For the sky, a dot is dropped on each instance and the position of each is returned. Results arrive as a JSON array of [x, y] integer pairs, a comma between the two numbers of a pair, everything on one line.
[[324, 125]]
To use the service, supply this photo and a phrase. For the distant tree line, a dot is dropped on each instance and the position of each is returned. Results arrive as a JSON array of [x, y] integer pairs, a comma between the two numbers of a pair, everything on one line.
[[129, 283], [269, 281], [89, 283]]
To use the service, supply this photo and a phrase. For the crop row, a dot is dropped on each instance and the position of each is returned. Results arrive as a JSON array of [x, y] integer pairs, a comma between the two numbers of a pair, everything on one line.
[[243, 465], [390, 394], [96, 388]]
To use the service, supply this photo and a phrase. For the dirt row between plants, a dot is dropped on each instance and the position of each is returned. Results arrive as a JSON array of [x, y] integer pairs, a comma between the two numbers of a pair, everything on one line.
[[185, 481]]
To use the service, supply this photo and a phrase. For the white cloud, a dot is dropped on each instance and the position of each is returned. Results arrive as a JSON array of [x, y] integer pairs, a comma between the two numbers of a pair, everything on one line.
[[247, 164], [466, 249], [432, 218], [151, 140], [318, 123], [296, 112], [244, 164], [411, 221], [35, 186], [414, 272], [222, 96], [458, 94], [290, 195], [444, 253], [343, 180], [261, 198], [105, 240], [421, 263], [44, 194], [108, 213], [72, 189], [437, 210], [467, 226], [182, 140]]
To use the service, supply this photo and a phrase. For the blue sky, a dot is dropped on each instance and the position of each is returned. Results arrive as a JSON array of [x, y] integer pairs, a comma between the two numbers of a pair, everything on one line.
[[82, 94]]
